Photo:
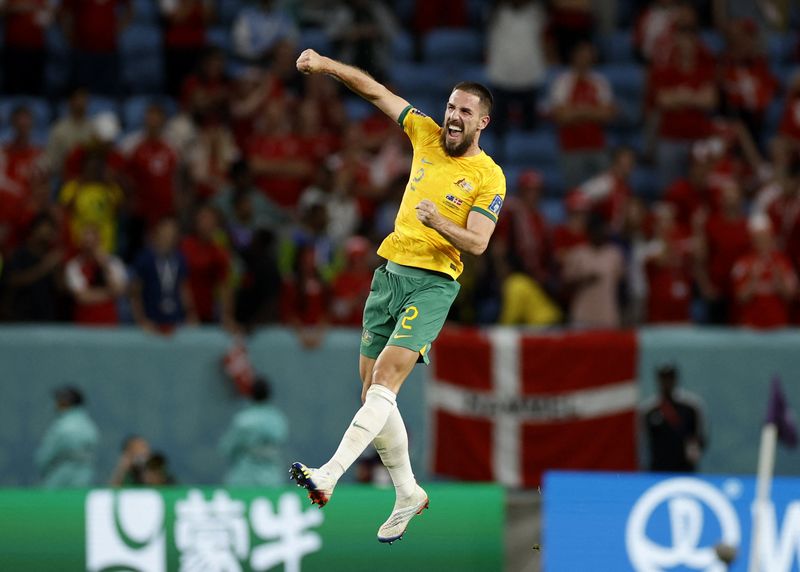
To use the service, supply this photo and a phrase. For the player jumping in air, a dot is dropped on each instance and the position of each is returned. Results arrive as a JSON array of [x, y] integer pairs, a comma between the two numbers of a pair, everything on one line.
[[451, 203]]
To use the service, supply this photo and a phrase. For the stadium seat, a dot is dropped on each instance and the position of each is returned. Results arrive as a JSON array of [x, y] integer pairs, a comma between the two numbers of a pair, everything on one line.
[[316, 39], [415, 78], [357, 109], [133, 109], [489, 143], [781, 47], [402, 47], [713, 41], [536, 150], [227, 11], [644, 183], [140, 40], [553, 211], [56, 43], [220, 37], [784, 73], [40, 109], [617, 48], [553, 181], [144, 75], [627, 80], [444, 45], [145, 12]]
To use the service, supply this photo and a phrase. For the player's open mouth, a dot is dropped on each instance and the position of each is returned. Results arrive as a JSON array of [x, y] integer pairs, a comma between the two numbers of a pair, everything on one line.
[[454, 131]]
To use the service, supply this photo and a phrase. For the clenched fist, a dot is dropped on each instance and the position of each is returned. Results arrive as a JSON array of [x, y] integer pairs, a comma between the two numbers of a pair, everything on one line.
[[309, 62], [427, 213]]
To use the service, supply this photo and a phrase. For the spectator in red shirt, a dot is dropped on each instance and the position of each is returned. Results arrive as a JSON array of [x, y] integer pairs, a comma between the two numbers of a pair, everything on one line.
[[783, 210], [152, 170], [571, 23], [185, 23], [96, 280], [608, 192], [351, 286], [24, 53], [92, 29], [787, 143], [522, 236], [722, 241], [692, 193], [209, 156], [682, 93], [209, 270], [747, 84], [572, 232], [21, 160], [668, 267], [582, 105], [207, 92], [764, 281], [277, 156]]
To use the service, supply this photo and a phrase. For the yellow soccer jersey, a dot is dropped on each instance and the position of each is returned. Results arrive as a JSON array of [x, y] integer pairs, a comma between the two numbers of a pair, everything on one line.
[[456, 185]]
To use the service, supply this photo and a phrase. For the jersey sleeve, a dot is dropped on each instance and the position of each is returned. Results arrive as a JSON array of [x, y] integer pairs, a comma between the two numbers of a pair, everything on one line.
[[491, 196], [420, 128]]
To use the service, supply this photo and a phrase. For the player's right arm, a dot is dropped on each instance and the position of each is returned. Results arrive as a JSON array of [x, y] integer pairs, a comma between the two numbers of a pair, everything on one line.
[[356, 80]]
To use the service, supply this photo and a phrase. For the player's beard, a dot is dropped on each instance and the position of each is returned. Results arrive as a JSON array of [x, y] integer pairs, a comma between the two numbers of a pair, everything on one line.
[[458, 149]]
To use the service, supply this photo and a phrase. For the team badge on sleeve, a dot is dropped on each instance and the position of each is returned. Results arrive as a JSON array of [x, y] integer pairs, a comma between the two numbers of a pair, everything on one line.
[[497, 204], [416, 111]]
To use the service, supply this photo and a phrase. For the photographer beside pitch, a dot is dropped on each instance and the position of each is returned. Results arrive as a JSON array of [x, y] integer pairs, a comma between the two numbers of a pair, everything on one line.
[[451, 203]]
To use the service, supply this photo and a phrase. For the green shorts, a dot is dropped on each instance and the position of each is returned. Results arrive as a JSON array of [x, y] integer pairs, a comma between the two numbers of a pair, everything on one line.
[[406, 307]]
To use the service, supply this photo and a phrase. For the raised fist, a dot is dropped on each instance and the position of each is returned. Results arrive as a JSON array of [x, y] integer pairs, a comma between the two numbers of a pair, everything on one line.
[[309, 62]]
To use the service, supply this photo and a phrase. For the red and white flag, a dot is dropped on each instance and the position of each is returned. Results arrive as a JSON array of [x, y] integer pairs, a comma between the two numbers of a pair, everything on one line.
[[507, 406]]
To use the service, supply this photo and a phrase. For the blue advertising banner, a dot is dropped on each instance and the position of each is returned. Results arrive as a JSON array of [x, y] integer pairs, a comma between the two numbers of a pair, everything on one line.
[[666, 523]]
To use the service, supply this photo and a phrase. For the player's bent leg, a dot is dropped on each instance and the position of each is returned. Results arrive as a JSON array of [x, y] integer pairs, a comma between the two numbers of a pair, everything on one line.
[[318, 483], [365, 366], [366, 424]]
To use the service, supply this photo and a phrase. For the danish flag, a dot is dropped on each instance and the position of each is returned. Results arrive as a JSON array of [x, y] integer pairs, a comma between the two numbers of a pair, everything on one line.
[[508, 405]]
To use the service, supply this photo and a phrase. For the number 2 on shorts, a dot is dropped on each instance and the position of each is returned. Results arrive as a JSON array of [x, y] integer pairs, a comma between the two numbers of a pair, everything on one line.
[[411, 314]]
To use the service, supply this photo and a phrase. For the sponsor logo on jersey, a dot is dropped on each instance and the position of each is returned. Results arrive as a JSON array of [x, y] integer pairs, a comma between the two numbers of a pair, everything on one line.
[[465, 184], [454, 199], [497, 204]]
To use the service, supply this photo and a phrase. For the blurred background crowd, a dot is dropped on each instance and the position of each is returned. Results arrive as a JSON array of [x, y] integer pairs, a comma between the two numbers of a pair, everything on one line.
[[163, 163]]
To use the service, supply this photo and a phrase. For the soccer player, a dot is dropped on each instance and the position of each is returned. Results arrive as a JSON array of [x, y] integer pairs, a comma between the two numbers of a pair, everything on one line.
[[451, 203]]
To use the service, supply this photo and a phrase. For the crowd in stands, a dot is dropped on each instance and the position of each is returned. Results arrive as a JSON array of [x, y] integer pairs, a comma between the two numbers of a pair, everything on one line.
[[167, 165]]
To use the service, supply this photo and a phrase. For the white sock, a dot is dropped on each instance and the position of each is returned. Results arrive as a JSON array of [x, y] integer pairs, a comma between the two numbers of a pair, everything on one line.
[[392, 446], [366, 424]]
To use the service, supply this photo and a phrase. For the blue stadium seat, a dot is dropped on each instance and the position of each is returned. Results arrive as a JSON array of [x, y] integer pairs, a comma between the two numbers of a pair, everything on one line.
[[784, 72], [140, 40], [145, 11], [445, 45], [144, 74], [40, 109], [416, 78], [227, 11], [617, 48], [713, 41], [553, 180], [473, 72], [772, 117], [431, 106], [536, 150], [316, 39], [644, 182], [627, 80], [357, 108], [781, 47], [489, 143], [133, 109], [56, 43], [402, 47], [220, 37], [553, 211]]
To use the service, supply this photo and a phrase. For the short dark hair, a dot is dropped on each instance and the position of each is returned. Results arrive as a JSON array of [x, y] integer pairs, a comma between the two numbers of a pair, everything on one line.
[[479, 90], [260, 391]]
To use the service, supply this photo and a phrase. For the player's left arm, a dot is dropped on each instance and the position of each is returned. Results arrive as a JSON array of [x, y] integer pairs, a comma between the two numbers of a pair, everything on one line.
[[473, 239]]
